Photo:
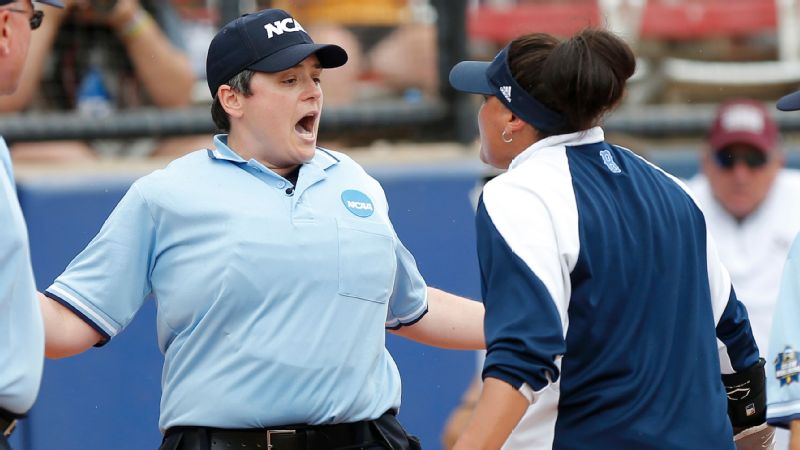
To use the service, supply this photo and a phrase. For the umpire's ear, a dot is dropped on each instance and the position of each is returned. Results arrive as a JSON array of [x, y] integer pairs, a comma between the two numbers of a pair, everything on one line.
[[5, 33], [230, 100]]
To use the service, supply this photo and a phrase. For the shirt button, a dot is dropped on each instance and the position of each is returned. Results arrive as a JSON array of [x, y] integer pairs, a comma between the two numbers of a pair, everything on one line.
[[280, 184], [290, 191]]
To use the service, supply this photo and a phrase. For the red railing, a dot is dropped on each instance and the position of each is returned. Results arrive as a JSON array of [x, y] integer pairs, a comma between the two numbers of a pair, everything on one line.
[[661, 19]]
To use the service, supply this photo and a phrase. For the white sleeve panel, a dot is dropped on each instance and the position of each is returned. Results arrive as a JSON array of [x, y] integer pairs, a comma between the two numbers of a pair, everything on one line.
[[719, 280], [534, 209]]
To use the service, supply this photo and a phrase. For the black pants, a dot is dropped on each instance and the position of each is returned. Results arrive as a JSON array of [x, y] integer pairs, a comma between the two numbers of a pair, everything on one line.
[[387, 431]]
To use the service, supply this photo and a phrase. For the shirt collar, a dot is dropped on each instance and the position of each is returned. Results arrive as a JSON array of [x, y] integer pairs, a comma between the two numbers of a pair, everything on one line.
[[590, 136], [222, 151], [323, 159]]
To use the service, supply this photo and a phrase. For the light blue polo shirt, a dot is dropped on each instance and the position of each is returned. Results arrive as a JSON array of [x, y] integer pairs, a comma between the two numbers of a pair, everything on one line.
[[272, 298], [21, 330]]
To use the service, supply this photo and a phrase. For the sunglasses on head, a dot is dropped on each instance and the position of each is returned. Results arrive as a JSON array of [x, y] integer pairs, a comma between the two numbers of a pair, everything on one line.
[[36, 17], [728, 158]]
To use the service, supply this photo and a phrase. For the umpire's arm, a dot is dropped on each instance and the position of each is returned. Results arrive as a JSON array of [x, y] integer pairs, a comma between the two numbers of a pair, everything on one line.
[[66, 334], [451, 322]]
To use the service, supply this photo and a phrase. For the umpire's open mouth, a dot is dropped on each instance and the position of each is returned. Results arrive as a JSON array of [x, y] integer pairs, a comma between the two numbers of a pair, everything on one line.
[[307, 125]]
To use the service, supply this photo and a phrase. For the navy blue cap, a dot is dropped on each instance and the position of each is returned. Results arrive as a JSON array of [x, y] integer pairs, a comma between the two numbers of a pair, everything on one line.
[[789, 102], [494, 78], [55, 3], [266, 41]]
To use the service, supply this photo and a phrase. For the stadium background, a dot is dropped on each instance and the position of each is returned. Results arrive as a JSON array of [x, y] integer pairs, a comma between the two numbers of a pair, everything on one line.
[[693, 54]]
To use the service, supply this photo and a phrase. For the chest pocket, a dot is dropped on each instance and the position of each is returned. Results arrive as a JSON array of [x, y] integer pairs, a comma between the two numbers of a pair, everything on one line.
[[367, 261]]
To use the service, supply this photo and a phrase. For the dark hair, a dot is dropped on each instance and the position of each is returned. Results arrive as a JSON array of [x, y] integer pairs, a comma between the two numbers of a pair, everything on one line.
[[582, 77], [239, 83]]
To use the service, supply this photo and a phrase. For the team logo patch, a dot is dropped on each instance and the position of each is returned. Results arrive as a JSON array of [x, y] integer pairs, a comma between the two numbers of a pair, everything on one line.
[[740, 393], [357, 203], [608, 160], [787, 370]]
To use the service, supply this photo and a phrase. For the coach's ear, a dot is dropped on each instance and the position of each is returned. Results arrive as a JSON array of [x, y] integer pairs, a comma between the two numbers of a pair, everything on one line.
[[230, 100], [518, 127]]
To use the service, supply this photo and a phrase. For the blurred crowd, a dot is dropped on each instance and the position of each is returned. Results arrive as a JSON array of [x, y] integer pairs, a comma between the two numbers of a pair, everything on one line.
[[101, 56], [97, 57]]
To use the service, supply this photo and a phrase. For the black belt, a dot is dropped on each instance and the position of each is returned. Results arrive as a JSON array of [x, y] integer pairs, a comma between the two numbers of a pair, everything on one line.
[[303, 437], [8, 422]]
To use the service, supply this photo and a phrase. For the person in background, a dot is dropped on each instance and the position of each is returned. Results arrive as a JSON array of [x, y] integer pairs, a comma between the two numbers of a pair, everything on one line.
[[274, 265], [21, 331], [783, 373], [391, 43], [749, 200], [459, 417], [100, 56], [605, 297]]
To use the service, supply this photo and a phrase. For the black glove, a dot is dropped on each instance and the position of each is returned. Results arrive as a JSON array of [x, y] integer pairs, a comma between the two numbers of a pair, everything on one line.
[[747, 396]]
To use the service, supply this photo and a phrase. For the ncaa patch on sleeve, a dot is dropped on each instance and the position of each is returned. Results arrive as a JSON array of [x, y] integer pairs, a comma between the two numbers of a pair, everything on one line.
[[787, 369]]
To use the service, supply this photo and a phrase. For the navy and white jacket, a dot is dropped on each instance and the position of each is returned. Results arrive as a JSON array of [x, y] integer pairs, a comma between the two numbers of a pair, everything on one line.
[[607, 306]]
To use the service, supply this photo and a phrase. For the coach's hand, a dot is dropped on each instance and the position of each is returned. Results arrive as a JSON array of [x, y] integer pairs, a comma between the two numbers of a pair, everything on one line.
[[756, 438]]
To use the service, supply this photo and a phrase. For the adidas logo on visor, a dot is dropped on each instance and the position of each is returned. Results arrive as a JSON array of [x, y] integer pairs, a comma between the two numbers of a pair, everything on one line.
[[506, 91]]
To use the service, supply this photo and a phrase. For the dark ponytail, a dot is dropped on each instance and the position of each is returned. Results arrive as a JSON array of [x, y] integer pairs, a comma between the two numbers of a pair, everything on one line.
[[582, 77]]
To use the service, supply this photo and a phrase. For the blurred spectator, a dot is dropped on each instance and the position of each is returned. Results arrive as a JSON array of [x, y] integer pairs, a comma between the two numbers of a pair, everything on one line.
[[391, 45], [97, 56], [459, 417], [199, 23], [750, 203]]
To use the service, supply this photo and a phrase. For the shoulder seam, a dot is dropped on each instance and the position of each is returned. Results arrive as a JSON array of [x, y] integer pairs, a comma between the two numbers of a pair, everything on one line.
[[135, 187], [328, 152]]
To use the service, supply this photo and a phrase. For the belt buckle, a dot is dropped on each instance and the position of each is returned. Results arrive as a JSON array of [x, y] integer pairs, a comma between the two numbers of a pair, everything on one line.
[[271, 432], [10, 428]]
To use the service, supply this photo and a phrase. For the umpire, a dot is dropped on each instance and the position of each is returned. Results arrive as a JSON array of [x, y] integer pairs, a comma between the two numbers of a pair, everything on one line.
[[21, 333], [274, 266]]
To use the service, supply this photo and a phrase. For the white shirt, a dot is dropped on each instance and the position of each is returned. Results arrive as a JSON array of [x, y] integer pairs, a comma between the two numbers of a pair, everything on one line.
[[755, 249]]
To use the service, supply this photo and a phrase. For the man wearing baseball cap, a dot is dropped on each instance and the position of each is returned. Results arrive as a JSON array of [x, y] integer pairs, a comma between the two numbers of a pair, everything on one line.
[[750, 203], [21, 333]]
